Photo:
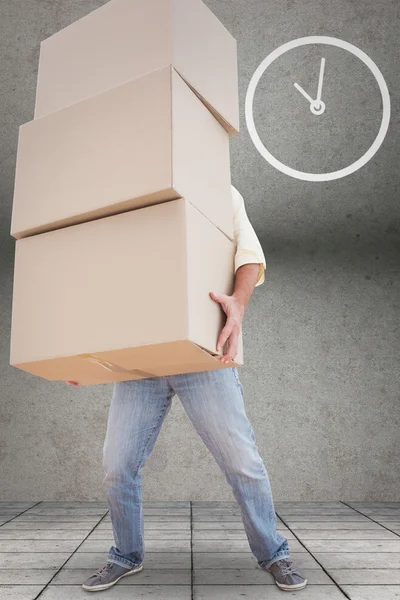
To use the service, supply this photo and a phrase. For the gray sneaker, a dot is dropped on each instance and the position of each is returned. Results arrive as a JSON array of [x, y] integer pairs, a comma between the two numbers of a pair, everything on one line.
[[286, 575], [107, 576]]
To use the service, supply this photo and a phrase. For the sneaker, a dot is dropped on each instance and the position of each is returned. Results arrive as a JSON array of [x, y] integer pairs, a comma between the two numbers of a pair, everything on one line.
[[107, 576], [286, 574]]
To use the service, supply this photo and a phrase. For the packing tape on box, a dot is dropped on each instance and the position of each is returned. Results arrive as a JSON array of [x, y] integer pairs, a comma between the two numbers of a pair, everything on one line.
[[108, 366]]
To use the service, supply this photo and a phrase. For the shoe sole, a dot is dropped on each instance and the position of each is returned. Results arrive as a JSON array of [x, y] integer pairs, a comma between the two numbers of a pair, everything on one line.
[[106, 586], [291, 588]]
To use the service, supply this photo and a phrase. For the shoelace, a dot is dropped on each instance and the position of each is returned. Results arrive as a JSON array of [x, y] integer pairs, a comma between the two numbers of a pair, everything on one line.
[[104, 570], [288, 568]]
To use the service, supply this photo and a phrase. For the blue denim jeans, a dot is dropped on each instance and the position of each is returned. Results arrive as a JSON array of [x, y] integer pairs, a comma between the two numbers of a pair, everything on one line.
[[213, 401]]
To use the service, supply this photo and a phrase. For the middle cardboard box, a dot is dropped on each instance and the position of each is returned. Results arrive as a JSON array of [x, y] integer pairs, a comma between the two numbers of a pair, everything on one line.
[[123, 297], [144, 142]]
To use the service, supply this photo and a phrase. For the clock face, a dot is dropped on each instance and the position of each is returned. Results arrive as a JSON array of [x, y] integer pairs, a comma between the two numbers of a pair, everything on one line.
[[317, 108]]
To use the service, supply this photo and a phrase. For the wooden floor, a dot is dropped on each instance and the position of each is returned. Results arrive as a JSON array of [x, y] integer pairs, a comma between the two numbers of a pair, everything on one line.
[[198, 550]]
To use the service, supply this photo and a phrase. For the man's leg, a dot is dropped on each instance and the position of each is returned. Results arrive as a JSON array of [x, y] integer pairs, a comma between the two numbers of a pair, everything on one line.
[[213, 401], [138, 409]]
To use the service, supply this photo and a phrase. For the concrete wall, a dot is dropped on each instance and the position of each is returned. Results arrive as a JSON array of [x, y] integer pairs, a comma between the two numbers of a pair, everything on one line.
[[321, 335]]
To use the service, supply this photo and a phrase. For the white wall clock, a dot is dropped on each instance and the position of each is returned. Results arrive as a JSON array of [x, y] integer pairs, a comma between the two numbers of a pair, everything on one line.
[[313, 101]]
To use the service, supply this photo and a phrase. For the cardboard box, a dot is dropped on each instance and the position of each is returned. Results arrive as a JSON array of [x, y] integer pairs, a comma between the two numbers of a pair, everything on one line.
[[125, 39], [145, 142], [124, 297]]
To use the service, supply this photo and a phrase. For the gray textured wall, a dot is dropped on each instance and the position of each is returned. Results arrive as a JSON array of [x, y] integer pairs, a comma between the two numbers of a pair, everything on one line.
[[321, 336]]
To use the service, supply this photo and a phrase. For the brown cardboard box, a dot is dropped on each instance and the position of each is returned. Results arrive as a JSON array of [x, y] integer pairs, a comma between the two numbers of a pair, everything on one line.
[[145, 142], [125, 39], [122, 297]]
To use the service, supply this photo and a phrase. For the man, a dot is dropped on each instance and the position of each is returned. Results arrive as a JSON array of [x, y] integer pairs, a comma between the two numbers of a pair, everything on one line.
[[213, 401]]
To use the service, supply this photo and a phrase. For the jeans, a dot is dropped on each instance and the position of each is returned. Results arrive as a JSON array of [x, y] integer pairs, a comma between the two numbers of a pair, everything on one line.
[[213, 401]]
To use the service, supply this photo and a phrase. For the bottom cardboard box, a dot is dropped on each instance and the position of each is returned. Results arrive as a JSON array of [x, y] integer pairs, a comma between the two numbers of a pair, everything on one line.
[[124, 297], [171, 358]]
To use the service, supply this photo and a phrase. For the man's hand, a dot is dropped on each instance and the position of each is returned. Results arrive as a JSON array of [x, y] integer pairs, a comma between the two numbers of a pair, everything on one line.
[[73, 383], [234, 307], [234, 311]]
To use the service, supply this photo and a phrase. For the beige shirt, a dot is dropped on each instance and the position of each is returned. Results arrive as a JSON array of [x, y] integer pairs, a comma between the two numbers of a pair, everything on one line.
[[248, 247]]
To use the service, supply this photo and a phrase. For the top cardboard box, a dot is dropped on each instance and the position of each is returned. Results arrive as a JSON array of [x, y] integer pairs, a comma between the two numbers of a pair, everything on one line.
[[125, 39]]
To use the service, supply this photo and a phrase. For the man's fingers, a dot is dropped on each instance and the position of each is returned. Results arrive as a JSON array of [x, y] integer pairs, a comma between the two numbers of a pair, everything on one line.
[[222, 300], [73, 383], [232, 348], [218, 297], [223, 336]]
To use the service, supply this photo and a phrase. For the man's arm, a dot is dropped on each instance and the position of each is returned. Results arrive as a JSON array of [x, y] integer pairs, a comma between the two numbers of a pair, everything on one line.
[[246, 278], [249, 270], [248, 247], [234, 307]]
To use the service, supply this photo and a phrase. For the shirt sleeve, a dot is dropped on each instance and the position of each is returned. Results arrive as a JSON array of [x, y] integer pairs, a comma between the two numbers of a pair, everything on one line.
[[248, 247]]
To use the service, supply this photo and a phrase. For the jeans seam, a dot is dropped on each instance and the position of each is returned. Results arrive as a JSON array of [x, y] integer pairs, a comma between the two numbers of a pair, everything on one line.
[[144, 450], [237, 380]]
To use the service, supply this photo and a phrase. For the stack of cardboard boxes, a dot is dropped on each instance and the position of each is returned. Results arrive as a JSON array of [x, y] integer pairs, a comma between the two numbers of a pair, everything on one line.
[[122, 208]]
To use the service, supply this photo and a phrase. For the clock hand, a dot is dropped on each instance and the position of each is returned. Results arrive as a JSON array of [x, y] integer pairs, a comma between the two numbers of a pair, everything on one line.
[[317, 107], [298, 87], [321, 76]]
